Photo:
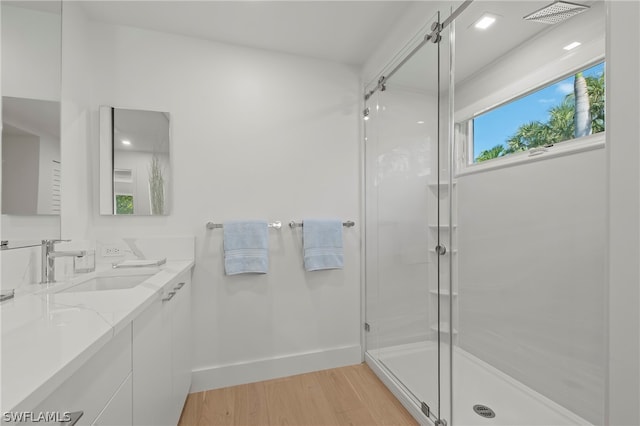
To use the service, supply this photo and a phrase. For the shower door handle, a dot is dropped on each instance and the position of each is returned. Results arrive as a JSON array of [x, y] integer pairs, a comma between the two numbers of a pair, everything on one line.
[[441, 250]]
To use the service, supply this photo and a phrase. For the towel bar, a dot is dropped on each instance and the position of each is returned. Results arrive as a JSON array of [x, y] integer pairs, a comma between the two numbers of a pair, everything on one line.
[[347, 224], [276, 225]]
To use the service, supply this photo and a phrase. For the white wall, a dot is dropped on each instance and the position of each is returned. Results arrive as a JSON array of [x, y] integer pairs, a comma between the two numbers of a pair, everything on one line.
[[255, 135], [532, 276], [30, 53], [623, 130], [78, 143]]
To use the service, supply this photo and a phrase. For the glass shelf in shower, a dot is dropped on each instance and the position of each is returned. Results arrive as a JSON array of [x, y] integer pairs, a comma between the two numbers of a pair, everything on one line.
[[444, 328], [444, 184], [454, 251]]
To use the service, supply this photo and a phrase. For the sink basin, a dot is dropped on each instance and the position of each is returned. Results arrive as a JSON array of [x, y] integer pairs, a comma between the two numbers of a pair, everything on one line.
[[108, 283]]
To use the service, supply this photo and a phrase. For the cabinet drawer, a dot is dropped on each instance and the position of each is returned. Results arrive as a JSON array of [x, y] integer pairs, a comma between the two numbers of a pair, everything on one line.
[[119, 411], [91, 387]]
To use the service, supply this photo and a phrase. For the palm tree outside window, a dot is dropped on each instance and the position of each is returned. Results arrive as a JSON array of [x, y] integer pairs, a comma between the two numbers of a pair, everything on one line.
[[568, 109]]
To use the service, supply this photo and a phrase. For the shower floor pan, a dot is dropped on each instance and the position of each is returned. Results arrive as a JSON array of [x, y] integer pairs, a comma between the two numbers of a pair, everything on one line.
[[475, 382]]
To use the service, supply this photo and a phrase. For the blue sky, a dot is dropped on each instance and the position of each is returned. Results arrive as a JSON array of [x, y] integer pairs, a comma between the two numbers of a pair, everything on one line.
[[496, 126]]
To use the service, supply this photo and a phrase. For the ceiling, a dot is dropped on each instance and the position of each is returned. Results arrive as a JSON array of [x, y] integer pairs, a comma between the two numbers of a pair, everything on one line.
[[476, 49], [31, 115], [341, 31]]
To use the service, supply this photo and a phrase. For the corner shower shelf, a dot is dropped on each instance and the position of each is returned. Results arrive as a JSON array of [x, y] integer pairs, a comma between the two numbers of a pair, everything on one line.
[[444, 184], [444, 328], [443, 292]]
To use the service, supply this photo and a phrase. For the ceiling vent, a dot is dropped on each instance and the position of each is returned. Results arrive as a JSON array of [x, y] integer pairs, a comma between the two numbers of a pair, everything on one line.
[[556, 12]]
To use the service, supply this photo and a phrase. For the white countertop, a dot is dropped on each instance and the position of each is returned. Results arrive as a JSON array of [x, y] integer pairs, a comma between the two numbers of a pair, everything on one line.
[[47, 336]]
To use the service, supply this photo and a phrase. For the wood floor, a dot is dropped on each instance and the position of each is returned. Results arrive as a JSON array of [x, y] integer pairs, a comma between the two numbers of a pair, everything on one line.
[[343, 396]]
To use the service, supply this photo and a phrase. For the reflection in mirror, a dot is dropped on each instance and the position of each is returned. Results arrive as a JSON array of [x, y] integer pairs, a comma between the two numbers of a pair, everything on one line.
[[134, 162], [30, 156], [31, 74]]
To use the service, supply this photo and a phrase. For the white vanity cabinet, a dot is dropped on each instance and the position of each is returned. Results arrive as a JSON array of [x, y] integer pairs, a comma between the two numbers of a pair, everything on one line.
[[119, 410], [102, 381], [162, 355], [181, 346], [121, 355]]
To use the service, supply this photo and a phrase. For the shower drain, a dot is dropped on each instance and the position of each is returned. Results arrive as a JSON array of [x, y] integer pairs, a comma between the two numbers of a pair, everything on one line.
[[484, 411]]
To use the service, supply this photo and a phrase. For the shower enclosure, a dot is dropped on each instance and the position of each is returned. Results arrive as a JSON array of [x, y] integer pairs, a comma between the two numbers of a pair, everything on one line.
[[408, 232], [484, 282]]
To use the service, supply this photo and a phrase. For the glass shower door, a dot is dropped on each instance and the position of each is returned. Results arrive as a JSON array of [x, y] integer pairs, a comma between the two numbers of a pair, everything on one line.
[[403, 193]]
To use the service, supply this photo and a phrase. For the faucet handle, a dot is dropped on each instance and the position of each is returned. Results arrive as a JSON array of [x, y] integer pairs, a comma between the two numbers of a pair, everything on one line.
[[54, 241]]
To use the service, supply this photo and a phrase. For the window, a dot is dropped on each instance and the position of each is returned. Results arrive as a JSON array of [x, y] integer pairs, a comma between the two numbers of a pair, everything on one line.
[[124, 204], [542, 118]]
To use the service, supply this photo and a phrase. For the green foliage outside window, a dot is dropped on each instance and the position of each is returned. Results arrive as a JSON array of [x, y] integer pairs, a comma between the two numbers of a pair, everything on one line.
[[124, 204], [586, 106]]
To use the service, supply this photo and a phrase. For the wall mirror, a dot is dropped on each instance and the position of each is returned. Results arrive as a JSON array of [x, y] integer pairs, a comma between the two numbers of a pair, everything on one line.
[[30, 156], [31, 167], [135, 170]]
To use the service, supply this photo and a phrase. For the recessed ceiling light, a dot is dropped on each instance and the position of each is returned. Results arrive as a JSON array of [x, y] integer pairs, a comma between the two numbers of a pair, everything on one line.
[[420, 122], [572, 45], [485, 21], [126, 142]]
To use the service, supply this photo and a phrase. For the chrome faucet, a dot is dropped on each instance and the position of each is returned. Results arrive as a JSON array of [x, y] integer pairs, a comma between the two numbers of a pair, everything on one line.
[[49, 256]]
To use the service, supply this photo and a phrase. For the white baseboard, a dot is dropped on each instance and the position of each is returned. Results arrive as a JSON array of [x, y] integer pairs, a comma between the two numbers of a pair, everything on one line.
[[265, 369]]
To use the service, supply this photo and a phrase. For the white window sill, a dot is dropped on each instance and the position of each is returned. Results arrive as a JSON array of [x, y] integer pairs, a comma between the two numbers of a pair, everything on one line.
[[587, 143]]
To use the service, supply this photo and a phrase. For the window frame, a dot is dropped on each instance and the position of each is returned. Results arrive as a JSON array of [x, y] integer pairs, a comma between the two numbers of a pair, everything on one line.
[[464, 128]]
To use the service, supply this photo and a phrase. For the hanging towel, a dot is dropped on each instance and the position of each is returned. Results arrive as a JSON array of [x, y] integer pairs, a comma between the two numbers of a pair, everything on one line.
[[246, 247], [322, 244]]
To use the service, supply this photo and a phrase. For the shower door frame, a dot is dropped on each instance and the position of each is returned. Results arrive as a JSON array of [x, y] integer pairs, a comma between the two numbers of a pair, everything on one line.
[[404, 395]]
